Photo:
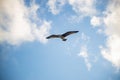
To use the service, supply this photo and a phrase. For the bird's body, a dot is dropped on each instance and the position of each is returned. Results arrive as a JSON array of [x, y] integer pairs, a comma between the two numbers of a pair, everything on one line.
[[62, 36]]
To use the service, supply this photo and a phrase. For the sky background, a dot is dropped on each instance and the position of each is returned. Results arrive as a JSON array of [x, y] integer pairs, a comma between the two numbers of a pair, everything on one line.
[[91, 54]]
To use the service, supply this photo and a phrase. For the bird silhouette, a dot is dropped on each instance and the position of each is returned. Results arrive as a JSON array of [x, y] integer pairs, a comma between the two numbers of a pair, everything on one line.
[[62, 36]]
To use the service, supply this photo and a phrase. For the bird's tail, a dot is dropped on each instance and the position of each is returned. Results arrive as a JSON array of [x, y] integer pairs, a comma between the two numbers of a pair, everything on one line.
[[64, 39]]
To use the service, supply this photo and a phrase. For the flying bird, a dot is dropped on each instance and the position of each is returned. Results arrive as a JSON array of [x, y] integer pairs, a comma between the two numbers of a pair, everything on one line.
[[62, 36]]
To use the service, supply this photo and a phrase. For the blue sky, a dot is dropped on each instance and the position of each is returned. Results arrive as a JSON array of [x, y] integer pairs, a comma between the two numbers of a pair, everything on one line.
[[91, 54]]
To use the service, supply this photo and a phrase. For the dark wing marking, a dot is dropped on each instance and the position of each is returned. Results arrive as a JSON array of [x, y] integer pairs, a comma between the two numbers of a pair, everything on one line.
[[68, 33], [53, 36]]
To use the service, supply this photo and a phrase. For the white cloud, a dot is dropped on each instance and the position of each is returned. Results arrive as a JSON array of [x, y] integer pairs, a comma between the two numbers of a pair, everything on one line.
[[55, 6], [42, 31], [16, 26], [83, 53], [84, 7], [112, 23], [33, 11], [112, 19], [112, 52], [95, 21]]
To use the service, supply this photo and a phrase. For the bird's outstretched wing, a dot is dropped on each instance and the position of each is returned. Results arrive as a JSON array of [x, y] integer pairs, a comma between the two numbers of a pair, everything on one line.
[[52, 36], [69, 32]]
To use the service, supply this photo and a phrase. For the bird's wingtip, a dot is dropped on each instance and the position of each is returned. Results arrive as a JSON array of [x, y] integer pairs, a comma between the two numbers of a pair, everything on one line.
[[76, 31], [47, 37]]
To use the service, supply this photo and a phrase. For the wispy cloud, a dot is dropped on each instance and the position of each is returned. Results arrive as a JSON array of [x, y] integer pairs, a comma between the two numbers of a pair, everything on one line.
[[83, 7], [85, 37], [55, 6], [18, 23], [41, 32], [96, 21], [83, 53]]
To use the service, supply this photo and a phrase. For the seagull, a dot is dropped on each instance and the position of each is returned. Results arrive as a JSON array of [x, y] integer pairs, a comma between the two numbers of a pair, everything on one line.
[[62, 36]]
